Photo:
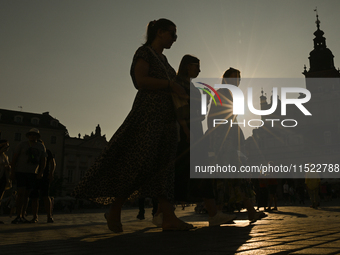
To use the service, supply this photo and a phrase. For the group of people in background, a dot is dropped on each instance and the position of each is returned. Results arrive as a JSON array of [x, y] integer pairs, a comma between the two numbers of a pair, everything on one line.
[[32, 169]]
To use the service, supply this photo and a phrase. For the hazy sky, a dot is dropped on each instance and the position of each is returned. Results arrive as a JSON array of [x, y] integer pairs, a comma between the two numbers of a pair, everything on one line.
[[72, 57]]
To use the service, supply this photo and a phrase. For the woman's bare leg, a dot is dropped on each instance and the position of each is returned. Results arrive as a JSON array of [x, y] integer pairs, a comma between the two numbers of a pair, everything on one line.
[[113, 217], [250, 208]]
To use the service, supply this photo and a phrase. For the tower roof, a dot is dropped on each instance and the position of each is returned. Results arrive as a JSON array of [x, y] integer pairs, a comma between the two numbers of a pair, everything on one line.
[[320, 58]]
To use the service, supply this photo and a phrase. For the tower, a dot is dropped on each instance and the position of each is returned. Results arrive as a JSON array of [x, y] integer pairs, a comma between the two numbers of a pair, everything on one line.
[[321, 59]]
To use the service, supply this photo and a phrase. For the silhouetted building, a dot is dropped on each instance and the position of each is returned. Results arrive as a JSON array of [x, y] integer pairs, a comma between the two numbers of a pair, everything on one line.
[[80, 154], [316, 138]]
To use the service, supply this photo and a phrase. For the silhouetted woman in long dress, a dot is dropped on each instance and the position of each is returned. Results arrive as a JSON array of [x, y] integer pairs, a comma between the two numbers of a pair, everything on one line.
[[140, 156]]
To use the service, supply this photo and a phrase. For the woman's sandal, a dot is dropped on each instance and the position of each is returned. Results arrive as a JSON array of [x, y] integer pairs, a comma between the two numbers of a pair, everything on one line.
[[115, 227], [258, 216], [181, 227]]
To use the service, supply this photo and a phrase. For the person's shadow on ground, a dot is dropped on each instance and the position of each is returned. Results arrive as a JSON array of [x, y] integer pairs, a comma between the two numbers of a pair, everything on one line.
[[206, 240]]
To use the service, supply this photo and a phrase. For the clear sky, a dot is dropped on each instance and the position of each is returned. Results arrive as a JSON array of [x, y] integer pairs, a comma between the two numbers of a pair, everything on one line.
[[72, 58]]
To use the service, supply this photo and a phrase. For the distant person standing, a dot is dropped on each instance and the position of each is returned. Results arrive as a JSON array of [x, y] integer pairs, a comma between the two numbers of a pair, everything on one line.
[[28, 164], [272, 188], [42, 189], [313, 186], [4, 169], [286, 192]]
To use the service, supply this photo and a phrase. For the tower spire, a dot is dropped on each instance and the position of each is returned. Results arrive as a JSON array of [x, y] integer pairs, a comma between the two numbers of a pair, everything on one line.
[[317, 18]]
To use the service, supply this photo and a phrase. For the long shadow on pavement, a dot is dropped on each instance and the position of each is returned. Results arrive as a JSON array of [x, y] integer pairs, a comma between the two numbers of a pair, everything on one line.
[[213, 240]]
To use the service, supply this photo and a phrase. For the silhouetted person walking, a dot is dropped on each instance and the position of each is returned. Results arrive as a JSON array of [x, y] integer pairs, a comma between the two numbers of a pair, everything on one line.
[[139, 157]]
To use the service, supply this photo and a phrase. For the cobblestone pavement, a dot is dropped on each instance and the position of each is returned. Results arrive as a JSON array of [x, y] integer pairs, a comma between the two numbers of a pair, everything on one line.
[[291, 230]]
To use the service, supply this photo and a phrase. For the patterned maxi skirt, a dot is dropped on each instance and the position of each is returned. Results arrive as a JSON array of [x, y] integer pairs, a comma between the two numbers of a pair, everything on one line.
[[139, 159]]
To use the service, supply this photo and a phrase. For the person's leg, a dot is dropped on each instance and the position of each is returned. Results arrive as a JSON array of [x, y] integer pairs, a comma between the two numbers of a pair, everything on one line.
[[159, 209], [266, 196], [47, 204], [141, 205], [275, 201], [48, 208], [35, 209], [2, 192], [261, 199], [311, 197], [34, 196], [210, 205], [113, 217], [12, 211], [44, 187], [20, 201], [21, 187], [271, 200], [154, 206], [52, 205], [253, 215], [317, 198], [25, 202], [250, 208]]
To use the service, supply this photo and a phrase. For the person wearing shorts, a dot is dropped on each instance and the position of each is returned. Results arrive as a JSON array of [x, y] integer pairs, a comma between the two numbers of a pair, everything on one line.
[[42, 189], [28, 164]]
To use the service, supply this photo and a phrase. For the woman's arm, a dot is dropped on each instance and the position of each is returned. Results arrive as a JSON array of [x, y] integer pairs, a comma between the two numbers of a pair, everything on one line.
[[144, 81]]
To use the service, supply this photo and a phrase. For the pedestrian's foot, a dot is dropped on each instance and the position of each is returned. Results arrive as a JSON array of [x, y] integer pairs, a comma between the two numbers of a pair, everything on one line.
[[257, 216], [24, 220], [177, 225], [34, 220], [158, 220], [17, 220], [275, 209], [221, 218], [20, 220], [268, 210], [115, 227], [50, 220]]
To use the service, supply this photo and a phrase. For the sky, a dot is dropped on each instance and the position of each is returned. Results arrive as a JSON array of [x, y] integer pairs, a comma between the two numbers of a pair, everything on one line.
[[72, 58]]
